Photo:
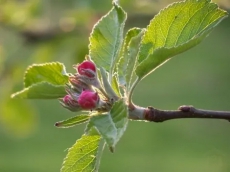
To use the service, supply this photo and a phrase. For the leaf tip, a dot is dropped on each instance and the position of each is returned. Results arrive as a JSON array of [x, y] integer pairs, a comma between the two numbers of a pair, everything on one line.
[[16, 95], [13, 95], [115, 2], [57, 124], [111, 148]]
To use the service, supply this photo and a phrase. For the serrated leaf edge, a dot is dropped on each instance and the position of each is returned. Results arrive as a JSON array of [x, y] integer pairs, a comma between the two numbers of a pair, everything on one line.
[[195, 36], [91, 34], [181, 2], [40, 65], [72, 124], [14, 95], [65, 159]]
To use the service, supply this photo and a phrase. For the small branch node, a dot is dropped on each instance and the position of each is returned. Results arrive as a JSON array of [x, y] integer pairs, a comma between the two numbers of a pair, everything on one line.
[[149, 114], [186, 108]]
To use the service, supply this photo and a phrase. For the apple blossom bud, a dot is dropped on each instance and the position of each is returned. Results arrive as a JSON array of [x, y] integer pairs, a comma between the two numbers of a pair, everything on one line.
[[78, 84], [87, 73], [70, 103], [87, 68], [88, 100]]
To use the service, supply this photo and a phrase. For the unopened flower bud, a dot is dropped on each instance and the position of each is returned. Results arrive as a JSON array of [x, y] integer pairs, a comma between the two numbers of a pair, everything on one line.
[[88, 100], [87, 68], [87, 73], [70, 103], [78, 84]]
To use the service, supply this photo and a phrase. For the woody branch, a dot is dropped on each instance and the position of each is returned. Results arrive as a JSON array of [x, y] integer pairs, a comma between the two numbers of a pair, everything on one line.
[[186, 111]]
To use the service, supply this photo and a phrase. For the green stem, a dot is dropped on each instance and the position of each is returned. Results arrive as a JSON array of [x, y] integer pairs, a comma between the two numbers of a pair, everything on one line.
[[131, 91]]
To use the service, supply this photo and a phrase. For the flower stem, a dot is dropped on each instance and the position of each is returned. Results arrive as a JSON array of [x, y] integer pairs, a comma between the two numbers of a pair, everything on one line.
[[130, 91]]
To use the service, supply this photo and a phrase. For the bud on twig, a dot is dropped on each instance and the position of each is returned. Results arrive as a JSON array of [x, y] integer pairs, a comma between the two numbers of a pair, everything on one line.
[[70, 103], [78, 84], [87, 68], [87, 73], [88, 100]]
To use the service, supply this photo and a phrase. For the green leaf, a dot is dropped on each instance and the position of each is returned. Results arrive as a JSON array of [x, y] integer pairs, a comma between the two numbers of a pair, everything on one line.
[[108, 88], [42, 90], [44, 81], [161, 55], [112, 125], [115, 85], [176, 29], [106, 38], [53, 73], [79, 119], [130, 75], [81, 156], [123, 62]]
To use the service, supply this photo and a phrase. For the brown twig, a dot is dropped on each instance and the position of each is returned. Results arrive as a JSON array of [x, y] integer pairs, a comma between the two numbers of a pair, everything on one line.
[[155, 115]]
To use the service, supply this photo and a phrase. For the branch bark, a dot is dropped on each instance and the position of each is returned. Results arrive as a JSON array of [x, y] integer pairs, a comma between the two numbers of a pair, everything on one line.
[[155, 115]]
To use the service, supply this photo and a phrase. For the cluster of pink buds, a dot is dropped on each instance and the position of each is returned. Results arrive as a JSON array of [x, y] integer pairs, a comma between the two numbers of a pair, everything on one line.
[[81, 95]]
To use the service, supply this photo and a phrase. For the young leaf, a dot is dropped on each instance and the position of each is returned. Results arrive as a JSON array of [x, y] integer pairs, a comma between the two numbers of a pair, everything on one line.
[[44, 81], [82, 155], [106, 38], [112, 125], [79, 119], [53, 73], [132, 59], [123, 62], [115, 85], [42, 90], [109, 90], [176, 29]]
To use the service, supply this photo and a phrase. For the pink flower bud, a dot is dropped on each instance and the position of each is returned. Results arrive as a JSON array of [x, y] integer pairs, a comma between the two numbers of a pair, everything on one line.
[[88, 100], [87, 68], [67, 99], [78, 84], [70, 103]]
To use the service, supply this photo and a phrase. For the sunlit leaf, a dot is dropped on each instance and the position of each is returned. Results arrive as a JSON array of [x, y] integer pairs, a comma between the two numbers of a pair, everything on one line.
[[176, 29], [53, 73], [106, 38], [42, 90], [109, 90], [130, 74], [81, 156], [79, 119], [44, 81], [112, 125], [115, 85], [123, 62]]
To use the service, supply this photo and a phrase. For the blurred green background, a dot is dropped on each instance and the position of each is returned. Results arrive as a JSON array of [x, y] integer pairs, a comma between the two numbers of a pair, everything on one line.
[[39, 31]]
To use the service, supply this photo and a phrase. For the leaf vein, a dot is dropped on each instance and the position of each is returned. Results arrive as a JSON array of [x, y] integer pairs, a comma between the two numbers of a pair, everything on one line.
[[190, 18]]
